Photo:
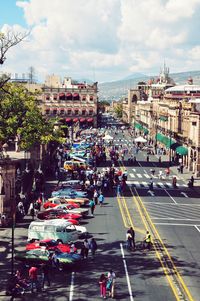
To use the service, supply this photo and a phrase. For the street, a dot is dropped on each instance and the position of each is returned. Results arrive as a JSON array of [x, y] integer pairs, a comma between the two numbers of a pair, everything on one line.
[[170, 271]]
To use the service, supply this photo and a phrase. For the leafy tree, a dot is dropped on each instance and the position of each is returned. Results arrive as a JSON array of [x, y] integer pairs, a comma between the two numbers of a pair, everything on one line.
[[20, 116], [118, 110]]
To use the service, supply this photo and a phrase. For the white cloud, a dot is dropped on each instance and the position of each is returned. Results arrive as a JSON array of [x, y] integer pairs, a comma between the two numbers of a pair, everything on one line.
[[112, 36]]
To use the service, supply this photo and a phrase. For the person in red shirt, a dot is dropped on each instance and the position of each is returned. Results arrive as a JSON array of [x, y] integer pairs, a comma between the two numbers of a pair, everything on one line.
[[33, 275]]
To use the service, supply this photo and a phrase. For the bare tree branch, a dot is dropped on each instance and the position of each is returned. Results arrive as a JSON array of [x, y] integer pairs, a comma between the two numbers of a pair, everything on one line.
[[8, 40]]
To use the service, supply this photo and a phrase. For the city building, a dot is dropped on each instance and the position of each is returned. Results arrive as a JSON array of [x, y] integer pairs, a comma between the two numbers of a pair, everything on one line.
[[72, 102]]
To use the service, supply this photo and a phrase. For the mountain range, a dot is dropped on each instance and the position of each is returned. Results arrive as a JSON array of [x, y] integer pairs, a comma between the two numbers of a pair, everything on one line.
[[117, 89]]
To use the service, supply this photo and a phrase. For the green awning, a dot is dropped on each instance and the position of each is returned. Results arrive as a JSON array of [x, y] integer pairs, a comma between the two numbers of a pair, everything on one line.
[[163, 118], [146, 131], [138, 126], [181, 150], [159, 137]]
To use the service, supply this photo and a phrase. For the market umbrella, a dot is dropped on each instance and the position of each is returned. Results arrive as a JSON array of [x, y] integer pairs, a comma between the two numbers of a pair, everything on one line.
[[108, 137], [140, 139]]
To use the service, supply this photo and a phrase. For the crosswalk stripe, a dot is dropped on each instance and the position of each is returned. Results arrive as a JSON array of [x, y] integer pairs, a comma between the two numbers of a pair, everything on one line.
[[132, 175], [145, 183], [139, 175], [146, 175], [133, 169]]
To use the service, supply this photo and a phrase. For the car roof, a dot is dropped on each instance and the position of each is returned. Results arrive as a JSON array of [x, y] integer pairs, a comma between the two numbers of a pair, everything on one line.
[[56, 222]]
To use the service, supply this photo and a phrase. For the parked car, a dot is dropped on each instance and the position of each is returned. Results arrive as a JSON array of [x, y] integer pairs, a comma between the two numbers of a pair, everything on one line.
[[48, 244], [70, 193], [52, 213], [39, 256], [69, 208], [67, 199], [52, 202]]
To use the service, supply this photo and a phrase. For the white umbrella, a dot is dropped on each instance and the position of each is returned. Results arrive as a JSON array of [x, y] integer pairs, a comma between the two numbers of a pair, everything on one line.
[[108, 137], [140, 139]]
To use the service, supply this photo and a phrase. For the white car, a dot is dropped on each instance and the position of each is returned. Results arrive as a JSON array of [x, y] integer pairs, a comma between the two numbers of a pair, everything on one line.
[[82, 231], [83, 211]]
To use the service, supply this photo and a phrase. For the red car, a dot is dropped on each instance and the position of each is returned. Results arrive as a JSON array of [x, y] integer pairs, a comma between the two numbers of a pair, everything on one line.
[[54, 203], [49, 244], [53, 213]]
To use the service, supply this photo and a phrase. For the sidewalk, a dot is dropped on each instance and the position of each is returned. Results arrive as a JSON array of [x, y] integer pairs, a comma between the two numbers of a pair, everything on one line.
[[185, 176]]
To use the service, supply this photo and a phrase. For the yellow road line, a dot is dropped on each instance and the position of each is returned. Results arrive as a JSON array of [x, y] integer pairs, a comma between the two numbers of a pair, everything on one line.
[[122, 213], [166, 251]]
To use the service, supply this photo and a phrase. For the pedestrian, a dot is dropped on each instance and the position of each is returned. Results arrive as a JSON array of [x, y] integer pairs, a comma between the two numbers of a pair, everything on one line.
[[111, 283], [45, 274], [95, 196], [86, 248], [102, 282], [128, 240], [32, 210], [93, 247], [33, 275], [101, 199], [92, 207], [119, 190], [132, 232]]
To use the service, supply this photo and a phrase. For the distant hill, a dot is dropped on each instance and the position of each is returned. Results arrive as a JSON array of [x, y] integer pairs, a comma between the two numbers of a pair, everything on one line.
[[118, 89]]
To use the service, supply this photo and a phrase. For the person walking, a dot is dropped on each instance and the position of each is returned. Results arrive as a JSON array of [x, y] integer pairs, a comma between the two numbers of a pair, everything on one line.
[[86, 248], [101, 199], [102, 282], [111, 283], [33, 275], [45, 274], [95, 196], [92, 207], [93, 246], [132, 233]]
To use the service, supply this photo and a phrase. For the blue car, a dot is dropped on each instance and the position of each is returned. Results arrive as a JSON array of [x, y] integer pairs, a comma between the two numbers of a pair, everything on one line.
[[69, 192]]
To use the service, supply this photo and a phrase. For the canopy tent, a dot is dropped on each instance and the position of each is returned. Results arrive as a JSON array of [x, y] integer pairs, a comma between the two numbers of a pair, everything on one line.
[[140, 139], [108, 137]]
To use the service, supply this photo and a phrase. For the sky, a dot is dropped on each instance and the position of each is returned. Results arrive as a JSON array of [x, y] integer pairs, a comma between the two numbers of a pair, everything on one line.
[[102, 40]]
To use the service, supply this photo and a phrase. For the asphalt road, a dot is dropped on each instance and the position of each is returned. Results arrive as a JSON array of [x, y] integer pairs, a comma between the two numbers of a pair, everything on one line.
[[168, 272]]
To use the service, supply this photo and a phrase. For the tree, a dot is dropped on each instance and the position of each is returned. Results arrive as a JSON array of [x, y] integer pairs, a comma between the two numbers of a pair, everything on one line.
[[118, 110], [20, 116], [7, 40]]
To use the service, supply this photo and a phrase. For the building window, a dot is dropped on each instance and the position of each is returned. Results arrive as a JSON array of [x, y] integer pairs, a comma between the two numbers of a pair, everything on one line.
[[54, 111], [84, 98], [91, 98], [62, 112], [69, 112], [47, 112], [90, 112], [76, 112], [54, 96], [47, 97], [194, 123], [83, 112]]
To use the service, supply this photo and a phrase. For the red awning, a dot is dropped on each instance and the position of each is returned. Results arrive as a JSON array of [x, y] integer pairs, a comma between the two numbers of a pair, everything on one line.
[[90, 120], [69, 95], [62, 94], [68, 119], [75, 95], [75, 119], [82, 120]]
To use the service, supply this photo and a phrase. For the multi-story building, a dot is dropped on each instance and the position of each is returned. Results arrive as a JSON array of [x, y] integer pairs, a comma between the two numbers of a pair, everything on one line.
[[171, 117], [70, 101]]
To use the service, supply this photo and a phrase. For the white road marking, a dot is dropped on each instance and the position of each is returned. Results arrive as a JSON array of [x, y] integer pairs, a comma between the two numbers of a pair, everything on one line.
[[151, 192], [132, 175], [146, 175], [197, 228], [133, 169], [170, 196], [184, 194], [139, 175], [127, 275], [161, 203], [145, 171], [136, 183], [176, 219], [160, 184], [172, 224], [145, 183], [71, 292]]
